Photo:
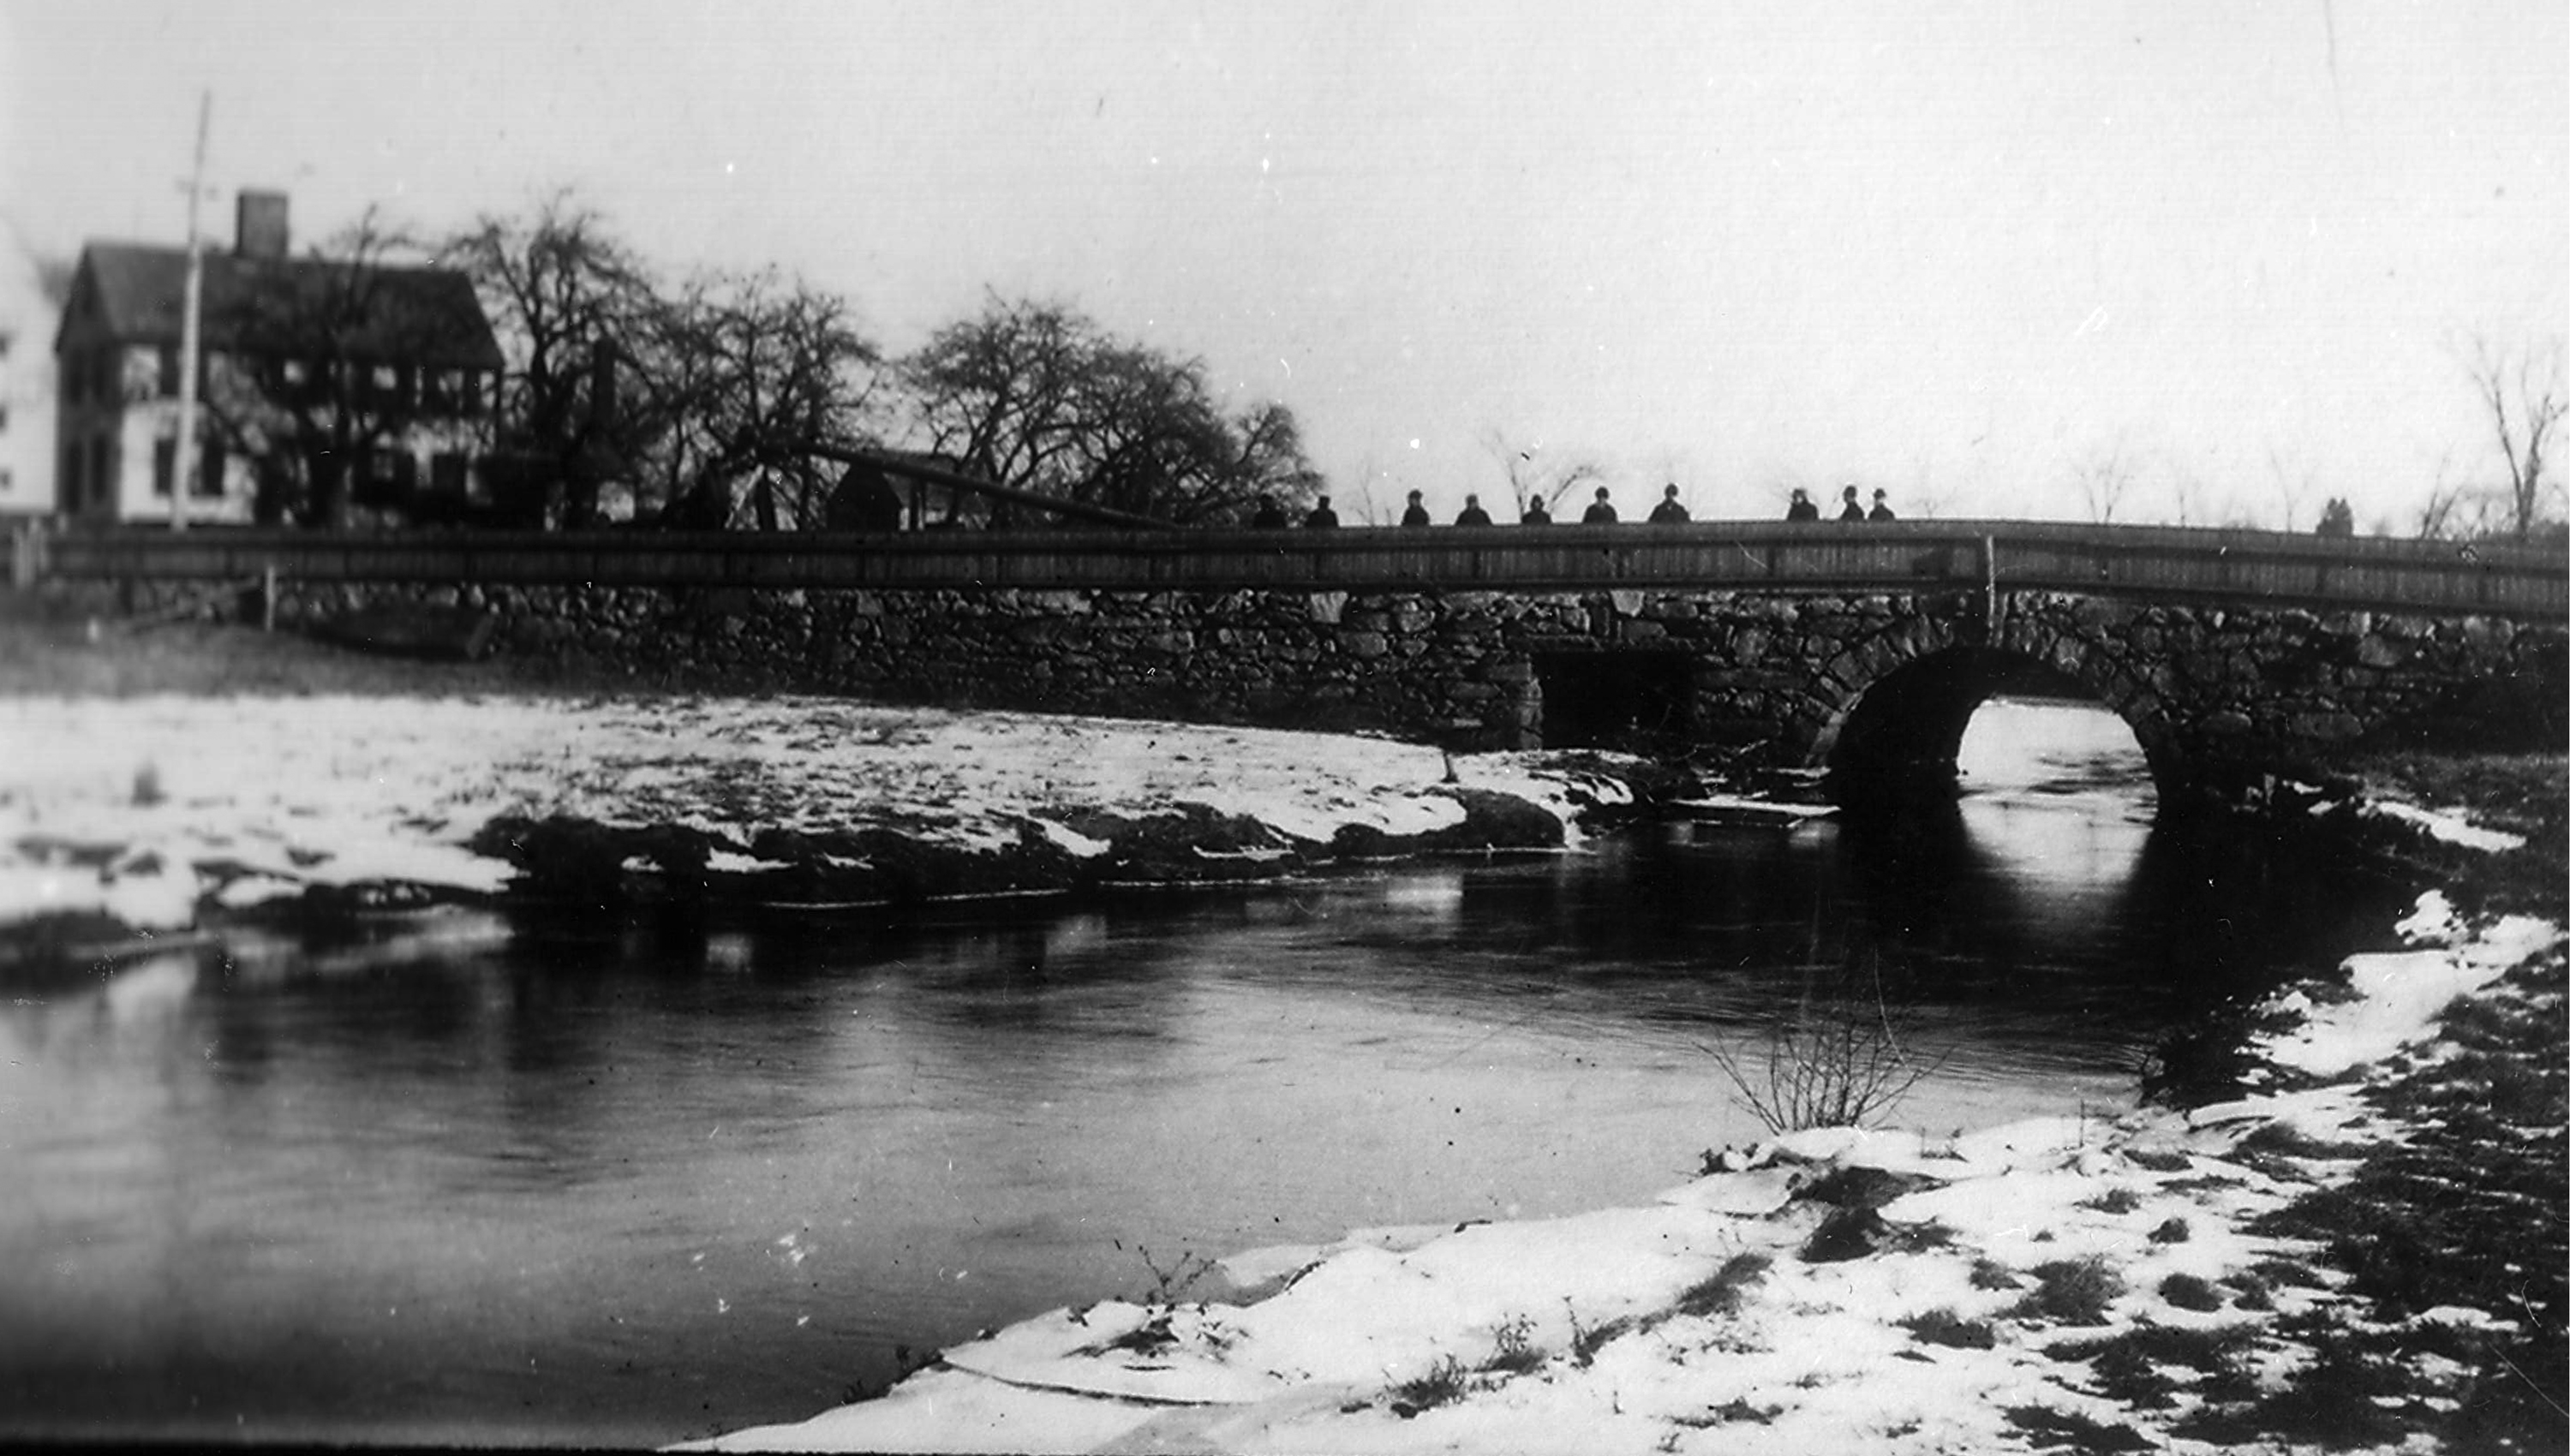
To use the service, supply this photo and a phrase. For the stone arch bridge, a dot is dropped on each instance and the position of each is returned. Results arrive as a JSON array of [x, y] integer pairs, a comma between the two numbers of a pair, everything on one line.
[[1861, 647]]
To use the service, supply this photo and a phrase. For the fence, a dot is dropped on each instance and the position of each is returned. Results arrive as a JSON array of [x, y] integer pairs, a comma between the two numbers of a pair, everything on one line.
[[2146, 562]]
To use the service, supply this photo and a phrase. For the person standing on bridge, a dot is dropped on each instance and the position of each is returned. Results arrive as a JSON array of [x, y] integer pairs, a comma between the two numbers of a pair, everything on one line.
[[1535, 513], [1600, 512], [1269, 515], [1417, 514], [1473, 515], [1882, 509], [1848, 510], [1322, 517], [1802, 508], [1669, 512]]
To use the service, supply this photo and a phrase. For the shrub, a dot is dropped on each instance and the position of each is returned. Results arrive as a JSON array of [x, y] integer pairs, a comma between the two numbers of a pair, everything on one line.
[[2072, 1291], [1836, 1062], [2055, 1429], [1722, 1293], [2187, 1292], [1515, 1351], [1992, 1274], [1444, 1383], [2172, 1231], [1946, 1327], [2113, 1201], [1587, 1340]]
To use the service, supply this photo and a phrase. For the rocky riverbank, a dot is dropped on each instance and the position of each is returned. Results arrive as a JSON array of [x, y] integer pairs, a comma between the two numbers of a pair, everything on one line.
[[127, 818]]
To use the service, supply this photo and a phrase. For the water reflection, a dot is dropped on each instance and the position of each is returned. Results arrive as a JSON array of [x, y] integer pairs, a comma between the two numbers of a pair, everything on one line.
[[627, 1180]]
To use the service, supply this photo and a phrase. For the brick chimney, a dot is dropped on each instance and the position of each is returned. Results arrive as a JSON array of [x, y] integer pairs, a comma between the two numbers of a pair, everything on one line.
[[259, 225]]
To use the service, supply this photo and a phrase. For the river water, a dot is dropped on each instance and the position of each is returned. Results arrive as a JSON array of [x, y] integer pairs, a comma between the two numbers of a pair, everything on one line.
[[627, 1181]]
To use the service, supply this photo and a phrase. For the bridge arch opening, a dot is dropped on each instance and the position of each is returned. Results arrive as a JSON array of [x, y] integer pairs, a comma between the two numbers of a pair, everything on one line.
[[1620, 699], [1906, 733]]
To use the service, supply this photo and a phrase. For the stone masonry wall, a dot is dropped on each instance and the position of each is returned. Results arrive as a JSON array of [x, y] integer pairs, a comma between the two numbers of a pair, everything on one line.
[[1770, 674]]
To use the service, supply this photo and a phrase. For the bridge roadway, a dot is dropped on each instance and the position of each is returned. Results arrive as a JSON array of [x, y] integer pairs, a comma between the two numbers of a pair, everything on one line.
[[1862, 647], [2159, 563]]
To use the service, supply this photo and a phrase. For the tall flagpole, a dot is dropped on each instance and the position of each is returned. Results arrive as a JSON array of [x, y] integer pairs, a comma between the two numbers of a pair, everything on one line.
[[184, 466]]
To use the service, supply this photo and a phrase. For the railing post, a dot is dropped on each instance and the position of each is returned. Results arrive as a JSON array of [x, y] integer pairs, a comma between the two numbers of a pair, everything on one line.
[[268, 596], [1991, 621]]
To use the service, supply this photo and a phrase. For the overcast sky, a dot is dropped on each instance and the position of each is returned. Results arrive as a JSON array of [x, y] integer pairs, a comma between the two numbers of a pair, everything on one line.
[[1956, 251]]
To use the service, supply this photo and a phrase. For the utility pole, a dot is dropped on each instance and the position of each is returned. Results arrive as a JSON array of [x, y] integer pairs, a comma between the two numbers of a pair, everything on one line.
[[183, 462]]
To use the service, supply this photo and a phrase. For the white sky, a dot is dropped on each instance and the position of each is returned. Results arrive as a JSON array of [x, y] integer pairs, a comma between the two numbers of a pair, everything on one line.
[[1951, 249]]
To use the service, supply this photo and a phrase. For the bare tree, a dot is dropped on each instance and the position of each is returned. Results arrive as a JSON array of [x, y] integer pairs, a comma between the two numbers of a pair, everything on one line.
[[571, 306], [2522, 388], [744, 371], [1036, 396], [2295, 479], [1535, 473], [2105, 478]]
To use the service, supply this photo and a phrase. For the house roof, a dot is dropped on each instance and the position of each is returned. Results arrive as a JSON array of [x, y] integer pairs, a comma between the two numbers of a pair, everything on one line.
[[137, 292]]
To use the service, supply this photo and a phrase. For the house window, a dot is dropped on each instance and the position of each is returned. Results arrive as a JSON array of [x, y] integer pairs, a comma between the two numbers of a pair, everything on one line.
[[101, 484], [165, 464], [446, 474], [72, 482], [169, 371], [209, 471]]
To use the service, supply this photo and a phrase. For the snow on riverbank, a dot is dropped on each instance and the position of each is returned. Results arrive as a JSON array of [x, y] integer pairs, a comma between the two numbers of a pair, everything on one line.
[[152, 811], [2064, 1282]]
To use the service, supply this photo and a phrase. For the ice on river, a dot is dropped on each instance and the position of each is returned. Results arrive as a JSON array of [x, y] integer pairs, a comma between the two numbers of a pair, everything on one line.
[[137, 806]]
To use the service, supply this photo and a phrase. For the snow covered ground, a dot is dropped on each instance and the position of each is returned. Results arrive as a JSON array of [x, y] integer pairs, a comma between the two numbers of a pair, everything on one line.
[[158, 812], [2056, 1282]]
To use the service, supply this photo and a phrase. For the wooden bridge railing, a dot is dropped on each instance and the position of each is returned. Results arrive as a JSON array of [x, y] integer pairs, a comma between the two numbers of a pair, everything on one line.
[[2146, 562]]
